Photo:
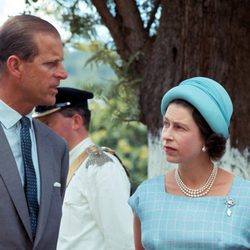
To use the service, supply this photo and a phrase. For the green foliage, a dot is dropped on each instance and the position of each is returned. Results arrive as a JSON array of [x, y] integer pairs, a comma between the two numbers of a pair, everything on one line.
[[77, 17], [123, 87], [129, 140]]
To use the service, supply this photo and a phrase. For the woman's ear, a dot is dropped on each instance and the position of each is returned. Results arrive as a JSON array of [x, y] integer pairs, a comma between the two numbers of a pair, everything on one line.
[[13, 64]]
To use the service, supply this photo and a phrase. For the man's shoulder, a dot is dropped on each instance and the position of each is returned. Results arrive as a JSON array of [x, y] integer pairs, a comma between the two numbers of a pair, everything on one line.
[[98, 156], [103, 156]]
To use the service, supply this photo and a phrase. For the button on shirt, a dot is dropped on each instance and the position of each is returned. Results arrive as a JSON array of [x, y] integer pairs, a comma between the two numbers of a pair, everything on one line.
[[10, 122]]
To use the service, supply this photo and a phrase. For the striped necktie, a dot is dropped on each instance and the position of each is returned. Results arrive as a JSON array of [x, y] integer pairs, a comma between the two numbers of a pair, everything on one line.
[[30, 183]]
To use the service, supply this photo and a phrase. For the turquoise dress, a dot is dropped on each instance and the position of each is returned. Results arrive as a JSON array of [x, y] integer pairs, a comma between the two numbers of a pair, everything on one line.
[[180, 222]]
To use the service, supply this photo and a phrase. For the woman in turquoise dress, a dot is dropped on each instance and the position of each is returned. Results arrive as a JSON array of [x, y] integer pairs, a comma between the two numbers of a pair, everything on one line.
[[198, 205]]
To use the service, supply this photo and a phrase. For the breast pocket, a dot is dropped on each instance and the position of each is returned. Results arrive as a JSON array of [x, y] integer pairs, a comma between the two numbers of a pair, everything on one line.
[[75, 210], [74, 196]]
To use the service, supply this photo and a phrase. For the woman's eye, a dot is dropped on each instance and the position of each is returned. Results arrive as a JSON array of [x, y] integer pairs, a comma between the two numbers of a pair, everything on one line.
[[165, 123], [179, 127]]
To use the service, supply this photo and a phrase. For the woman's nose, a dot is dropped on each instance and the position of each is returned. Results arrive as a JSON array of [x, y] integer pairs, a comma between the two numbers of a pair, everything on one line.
[[167, 134]]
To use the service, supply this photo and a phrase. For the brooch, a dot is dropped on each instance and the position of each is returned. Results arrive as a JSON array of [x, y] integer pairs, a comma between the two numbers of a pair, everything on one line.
[[229, 203]]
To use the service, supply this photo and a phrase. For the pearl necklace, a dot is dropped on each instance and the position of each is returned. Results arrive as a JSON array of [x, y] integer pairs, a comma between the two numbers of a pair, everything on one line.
[[199, 192]]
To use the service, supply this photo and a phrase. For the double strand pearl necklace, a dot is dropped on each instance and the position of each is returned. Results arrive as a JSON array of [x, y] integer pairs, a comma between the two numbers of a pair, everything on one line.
[[199, 192]]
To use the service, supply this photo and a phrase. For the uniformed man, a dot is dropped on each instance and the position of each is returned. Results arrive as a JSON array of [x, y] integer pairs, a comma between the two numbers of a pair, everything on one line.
[[96, 215]]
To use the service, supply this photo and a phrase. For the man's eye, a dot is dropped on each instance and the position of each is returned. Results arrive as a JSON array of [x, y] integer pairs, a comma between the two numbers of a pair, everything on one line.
[[51, 63]]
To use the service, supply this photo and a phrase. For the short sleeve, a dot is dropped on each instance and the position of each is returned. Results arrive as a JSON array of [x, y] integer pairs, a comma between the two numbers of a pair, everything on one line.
[[142, 197], [134, 201]]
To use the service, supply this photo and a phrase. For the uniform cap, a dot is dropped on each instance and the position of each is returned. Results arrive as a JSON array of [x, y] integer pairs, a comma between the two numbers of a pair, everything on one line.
[[65, 98]]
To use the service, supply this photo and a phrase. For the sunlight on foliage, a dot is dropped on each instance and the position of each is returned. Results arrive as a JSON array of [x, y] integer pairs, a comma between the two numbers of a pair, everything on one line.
[[129, 140]]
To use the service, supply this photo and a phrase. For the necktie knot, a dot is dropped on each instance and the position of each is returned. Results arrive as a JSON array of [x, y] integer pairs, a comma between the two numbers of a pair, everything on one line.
[[25, 122]]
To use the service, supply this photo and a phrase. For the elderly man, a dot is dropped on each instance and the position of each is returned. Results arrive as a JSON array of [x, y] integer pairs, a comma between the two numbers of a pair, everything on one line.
[[34, 161]]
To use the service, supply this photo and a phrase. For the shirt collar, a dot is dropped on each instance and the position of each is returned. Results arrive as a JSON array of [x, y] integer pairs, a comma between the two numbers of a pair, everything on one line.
[[9, 116], [80, 147]]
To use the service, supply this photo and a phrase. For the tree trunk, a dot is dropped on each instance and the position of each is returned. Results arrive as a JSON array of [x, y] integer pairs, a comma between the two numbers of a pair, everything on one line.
[[195, 38]]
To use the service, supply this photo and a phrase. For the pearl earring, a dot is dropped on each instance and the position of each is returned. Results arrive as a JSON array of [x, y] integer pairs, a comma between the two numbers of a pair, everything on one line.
[[203, 149]]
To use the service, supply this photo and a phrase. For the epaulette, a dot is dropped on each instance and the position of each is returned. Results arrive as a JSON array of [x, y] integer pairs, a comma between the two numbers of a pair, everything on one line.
[[96, 156], [111, 151]]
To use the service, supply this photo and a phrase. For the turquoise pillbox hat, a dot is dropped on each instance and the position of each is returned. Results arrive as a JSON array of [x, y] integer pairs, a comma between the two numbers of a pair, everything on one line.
[[208, 97]]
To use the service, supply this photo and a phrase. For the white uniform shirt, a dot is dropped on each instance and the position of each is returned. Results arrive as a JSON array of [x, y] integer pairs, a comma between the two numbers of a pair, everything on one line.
[[96, 214]]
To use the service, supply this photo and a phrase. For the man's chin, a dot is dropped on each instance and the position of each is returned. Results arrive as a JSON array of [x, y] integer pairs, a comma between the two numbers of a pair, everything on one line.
[[48, 102]]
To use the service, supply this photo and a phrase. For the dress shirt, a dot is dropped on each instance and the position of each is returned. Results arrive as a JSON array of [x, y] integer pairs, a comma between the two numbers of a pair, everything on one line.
[[10, 122], [96, 214]]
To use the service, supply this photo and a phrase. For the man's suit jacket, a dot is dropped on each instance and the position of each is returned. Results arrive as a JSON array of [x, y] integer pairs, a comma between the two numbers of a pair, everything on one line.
[[15, 229]]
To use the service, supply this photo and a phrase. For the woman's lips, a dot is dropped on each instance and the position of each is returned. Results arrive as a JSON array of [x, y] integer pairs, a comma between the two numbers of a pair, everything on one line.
[[168, 149]]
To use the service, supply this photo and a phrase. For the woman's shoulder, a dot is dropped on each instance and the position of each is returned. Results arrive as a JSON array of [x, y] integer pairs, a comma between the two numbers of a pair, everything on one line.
[[241, 186], [153, 181], [146, 191], [151, 184], [240, 181]]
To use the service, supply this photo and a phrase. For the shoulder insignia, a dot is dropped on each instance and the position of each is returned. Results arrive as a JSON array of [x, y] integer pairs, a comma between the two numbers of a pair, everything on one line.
[[96, 156], [108, 150]]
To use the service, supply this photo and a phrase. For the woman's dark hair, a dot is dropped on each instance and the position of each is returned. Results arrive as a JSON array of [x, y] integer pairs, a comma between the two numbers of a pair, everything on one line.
[[214, 143]]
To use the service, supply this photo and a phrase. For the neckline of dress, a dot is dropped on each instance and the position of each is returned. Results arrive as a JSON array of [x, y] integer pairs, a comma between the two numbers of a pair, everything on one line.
[[235, 179]]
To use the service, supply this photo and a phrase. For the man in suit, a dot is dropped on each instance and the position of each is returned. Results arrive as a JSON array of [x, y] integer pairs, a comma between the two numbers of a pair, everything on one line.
[[33, 159], [96, 214]]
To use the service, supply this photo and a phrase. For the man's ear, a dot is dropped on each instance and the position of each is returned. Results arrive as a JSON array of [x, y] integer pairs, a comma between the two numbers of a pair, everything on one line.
[[77, 121], [13, 64]]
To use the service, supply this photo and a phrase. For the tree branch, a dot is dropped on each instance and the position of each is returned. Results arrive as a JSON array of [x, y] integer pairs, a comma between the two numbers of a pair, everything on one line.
[[126, 27], [112, 25], [152, 15], [136, 34]]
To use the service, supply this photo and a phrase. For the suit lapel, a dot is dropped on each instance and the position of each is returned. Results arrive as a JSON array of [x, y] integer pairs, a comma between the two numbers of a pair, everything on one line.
[[11, 178], [46, 177]]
